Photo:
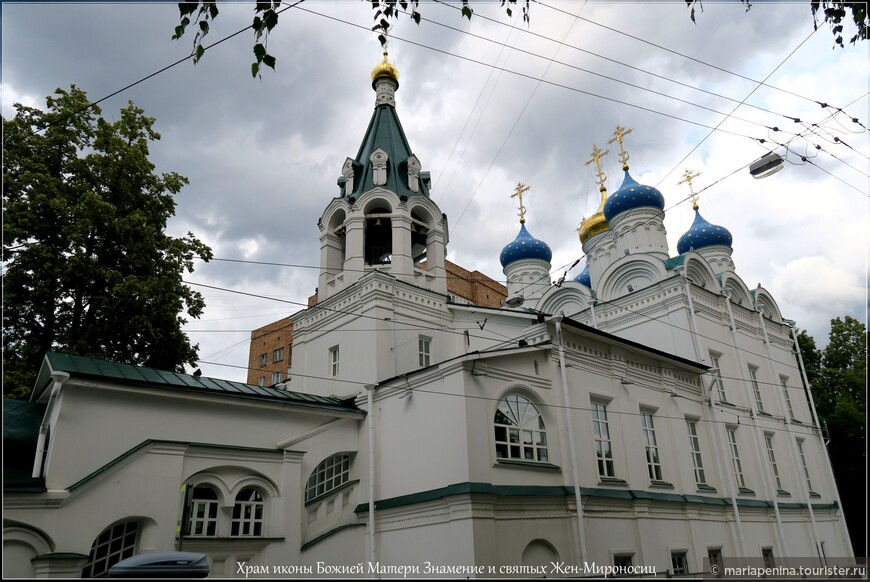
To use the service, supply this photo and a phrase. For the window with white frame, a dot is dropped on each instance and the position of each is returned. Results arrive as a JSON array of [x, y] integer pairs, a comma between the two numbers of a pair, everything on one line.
[[263, 359], [278, 355], [651, 448], [679, 562], [261, 381], [767, 557], [768, 441], [695, 448], [203, 512], [623, 560], [735, 458], [520, 433], [753, 379], [800, 447], [716, 372], [333, 361], [714, 556], [276, 377], [114, 544], [603, 445], [328, 476], [248, 513], [425, 347], [784, 383]]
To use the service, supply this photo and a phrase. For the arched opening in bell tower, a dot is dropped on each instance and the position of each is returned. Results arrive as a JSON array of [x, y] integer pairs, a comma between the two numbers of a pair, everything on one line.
[[419, 237], [378, 236]]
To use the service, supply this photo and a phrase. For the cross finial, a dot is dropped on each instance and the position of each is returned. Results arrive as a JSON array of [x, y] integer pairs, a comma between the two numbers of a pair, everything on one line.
[[597, 154], [518, 193], [688, 176], [618, 136]]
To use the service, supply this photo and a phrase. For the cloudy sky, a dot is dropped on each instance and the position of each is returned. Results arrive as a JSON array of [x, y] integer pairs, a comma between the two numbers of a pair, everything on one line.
[[485, 104]]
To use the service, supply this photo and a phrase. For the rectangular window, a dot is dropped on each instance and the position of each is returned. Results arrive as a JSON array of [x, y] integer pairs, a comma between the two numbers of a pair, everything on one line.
[[767, 556], [695, 448], [603, 449], [623, 560], [717, 377], [784, 382], [653, 463], [714, 556], [276, 377], [333, 360], [735, 458], [261, 381], [278, 355], [263, 359], [425, 345], [753, 378], [680, 562], [768, 441], [800, 446]]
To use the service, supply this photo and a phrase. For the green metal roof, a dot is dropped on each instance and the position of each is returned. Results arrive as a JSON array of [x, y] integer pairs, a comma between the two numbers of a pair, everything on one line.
[[674, 262], [128, 373], [385, 132], [21, 420]]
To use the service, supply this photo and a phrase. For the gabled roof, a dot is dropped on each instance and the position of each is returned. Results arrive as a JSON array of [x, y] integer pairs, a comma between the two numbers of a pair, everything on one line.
[[21, 420], [79, 366], [385, 132]]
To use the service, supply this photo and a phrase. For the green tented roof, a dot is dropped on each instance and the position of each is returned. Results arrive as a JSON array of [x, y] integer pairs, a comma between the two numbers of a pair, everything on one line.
[[152, 378]]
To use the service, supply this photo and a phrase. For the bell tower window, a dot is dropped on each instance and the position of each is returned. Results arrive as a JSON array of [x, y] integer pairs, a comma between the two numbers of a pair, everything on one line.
[[419, 239], [378, 237]]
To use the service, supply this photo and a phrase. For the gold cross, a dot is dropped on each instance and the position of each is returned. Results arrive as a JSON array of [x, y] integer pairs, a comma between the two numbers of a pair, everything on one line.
[[688, 176], [618, 136], [597, 154], [521, 189]]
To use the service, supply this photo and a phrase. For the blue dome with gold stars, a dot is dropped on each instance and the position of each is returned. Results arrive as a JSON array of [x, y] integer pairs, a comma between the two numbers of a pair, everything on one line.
[[703, 234], [632, 195], [583, 278], [525, 246]]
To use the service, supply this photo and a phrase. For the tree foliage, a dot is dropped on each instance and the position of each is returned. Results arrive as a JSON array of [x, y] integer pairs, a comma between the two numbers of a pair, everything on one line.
[[88, 268], [201, 13], [834, 13]]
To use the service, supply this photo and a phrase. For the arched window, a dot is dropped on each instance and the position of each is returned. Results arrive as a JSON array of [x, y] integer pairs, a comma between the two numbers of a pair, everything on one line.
[[519, 431], [378, 237], [203, 512], [328, 476], [116, 543], [248, 513]]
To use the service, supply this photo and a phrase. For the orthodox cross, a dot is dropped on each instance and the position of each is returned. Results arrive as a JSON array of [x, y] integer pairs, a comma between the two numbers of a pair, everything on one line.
[[688, 176], [521, 189], [597, 154], [618, 136]]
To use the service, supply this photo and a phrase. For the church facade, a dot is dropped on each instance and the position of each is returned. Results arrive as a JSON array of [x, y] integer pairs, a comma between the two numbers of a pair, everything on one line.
[[651, 413]]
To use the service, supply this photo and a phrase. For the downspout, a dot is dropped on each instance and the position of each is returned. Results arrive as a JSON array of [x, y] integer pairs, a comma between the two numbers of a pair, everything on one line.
[[59, 378], [766, 468], [594, 319], [370, 389], [701, 356], [801, 483], [818, 432], [575, 474]]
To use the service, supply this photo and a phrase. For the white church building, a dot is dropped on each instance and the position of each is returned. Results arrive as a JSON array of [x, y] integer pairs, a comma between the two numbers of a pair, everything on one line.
[[651, 413]]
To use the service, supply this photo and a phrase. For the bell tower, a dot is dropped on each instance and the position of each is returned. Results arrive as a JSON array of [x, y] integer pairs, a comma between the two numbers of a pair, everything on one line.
[[383, 217]]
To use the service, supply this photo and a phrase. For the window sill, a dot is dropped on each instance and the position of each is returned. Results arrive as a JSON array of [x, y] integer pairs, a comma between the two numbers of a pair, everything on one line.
[[815, 495], [331, 492], [796, 421], [782, 493], [745, 491], [763, 413], [704, 488], [612, 481], [661, 485], [528, 465]]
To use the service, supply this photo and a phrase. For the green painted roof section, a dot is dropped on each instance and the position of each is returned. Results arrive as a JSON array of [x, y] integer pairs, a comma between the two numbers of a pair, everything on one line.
[[674, 262], [21, 420], [385, 132], [152, 378]]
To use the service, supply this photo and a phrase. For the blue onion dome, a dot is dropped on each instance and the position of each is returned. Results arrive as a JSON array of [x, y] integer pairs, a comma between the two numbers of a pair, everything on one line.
[[583, 278], [525, 246], [632, 195], [703, 234]]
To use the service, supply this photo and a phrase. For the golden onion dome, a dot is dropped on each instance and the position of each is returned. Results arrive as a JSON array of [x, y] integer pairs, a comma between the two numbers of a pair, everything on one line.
[[596, 223], [385, 69]]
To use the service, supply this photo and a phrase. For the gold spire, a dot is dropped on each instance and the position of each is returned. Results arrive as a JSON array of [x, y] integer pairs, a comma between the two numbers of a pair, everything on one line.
[[618, 136], [688, 176], [597, 154], [385, 68], [521, 189]]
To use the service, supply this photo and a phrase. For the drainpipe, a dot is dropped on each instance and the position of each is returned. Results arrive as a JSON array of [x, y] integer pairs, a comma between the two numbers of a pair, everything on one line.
[[575, 474], [370, 390], [701, 356], [594, 319], [59, 378], [818, 432], [759, 440], [792, 447]]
